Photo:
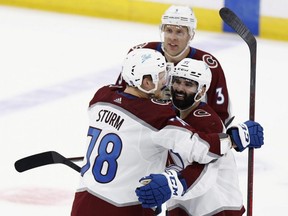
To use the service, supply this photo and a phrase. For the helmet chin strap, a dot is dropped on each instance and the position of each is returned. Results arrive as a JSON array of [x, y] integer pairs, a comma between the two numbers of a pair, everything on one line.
[[151, 91], [200, 98]]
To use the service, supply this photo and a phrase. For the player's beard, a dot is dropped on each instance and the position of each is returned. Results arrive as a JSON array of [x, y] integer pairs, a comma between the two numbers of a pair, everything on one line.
[[182, 104]]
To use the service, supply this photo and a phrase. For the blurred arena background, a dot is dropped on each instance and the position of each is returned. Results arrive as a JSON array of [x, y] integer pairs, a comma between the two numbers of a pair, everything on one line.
[[266, 19]]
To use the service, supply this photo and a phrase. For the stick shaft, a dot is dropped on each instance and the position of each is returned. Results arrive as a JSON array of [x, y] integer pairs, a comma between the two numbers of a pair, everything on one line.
[[250, 179], [235, 23], [75, 159]]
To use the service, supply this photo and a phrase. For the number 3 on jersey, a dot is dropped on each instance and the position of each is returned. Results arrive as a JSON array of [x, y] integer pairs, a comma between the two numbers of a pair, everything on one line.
[[108, 149], [220, 96]]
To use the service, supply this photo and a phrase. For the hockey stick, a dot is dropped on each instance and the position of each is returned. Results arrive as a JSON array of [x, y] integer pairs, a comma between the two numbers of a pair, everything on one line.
[[45, 158], [230, 18], [229, 122], [75, 159], [52, 157]]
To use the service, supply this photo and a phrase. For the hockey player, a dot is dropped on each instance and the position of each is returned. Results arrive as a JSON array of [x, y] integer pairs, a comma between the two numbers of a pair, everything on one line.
[[177, 31], [129, 135], [191, 80], [214, 187]]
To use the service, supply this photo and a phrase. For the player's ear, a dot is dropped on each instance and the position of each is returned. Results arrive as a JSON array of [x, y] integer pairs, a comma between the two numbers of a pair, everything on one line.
[[147, 83], [204, 89], [201, 92]]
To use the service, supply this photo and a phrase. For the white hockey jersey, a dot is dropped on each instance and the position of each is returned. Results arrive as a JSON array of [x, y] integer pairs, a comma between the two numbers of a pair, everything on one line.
[[129, 138]]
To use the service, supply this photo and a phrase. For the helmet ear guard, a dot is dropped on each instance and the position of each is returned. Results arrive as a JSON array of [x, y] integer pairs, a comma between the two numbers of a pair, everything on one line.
[[200, 89]]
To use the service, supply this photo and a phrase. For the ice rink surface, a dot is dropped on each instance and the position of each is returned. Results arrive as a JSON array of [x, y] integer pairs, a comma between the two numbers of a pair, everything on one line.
[[51, 65]]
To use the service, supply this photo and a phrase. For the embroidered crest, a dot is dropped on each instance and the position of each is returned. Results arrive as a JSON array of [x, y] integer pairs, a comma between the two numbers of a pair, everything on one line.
[[210, 61], [201, 113]]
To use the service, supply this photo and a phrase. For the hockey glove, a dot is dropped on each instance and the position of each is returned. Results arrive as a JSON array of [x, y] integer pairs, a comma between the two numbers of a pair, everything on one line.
[[161, 187], [248, 134]]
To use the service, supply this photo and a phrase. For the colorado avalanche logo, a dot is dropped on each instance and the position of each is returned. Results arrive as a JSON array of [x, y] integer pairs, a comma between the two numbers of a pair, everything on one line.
[[201, 113], [210, 61]]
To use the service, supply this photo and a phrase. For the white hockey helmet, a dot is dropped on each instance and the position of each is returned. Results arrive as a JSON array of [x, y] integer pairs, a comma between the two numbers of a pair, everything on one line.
[[180, 16], [141, 62], [195, 70]]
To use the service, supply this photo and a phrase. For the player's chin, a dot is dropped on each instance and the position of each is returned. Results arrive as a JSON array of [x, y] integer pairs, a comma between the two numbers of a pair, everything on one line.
[[178, 102], [173, 52]]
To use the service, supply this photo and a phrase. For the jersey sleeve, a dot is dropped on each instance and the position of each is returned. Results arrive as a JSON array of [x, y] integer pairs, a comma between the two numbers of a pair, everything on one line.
[[217, 95], [200, 178], [189, 144]]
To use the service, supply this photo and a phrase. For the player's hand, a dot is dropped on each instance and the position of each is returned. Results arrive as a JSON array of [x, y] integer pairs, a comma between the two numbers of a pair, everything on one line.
[[159, 188], [249, 134]]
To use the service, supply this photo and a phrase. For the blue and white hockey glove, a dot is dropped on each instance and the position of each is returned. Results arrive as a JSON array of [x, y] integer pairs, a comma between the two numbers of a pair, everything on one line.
[[248, 134], [159, 188]]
